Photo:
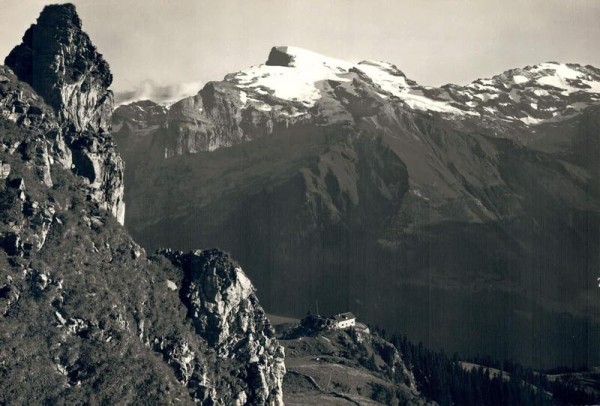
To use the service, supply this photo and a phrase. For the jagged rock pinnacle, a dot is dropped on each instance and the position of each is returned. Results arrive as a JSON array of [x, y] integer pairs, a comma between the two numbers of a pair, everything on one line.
[[60, 62]]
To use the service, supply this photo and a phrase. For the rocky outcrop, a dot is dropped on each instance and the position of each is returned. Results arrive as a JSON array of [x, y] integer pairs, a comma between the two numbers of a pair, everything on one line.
[[316, 348], [62, 66], [95, 158], [20, 104], [30, 223], [222, 304]]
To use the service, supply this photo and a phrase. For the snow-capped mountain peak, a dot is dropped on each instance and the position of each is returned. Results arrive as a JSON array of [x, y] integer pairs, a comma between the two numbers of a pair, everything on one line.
[[290, 74], [536, 94], [394, 84], [296, 85], [294, 74]]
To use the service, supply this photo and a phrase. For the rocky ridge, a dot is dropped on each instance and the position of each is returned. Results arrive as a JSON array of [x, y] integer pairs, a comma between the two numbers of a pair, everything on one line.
[[544, 93], [60, 62], [86, 315]]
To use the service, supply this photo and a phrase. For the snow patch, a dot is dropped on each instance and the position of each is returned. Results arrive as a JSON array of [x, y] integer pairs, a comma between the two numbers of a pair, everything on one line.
[[561, 70], [259, 105], [530, 120], [420, 102], [486, 96], [554, 81], [243, 97], [594, 86], [387, 82], [520, 79]]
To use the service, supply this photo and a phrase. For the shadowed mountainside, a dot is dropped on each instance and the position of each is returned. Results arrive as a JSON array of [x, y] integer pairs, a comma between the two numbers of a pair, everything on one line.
[[469, 228]]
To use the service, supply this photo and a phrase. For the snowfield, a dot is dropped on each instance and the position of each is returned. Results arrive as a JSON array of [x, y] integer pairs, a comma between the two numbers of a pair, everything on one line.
[[531, 95]]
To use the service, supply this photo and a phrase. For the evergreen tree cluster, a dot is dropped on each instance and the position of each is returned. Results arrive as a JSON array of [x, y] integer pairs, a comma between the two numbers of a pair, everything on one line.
[[445, 380]]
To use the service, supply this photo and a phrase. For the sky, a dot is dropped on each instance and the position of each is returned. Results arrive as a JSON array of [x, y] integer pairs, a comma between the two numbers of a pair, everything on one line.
[[169, 48]]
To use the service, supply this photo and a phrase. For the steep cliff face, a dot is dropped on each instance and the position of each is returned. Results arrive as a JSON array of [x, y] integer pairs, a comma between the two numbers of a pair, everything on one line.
[[140, 115], [62, 65], [87, 316], [221, 302], [218, 116]]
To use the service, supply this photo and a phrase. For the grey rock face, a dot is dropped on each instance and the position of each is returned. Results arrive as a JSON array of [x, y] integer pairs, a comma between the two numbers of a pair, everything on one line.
[[96, 159], [217, 117], [224, 308], [62, 66], [138, 115]]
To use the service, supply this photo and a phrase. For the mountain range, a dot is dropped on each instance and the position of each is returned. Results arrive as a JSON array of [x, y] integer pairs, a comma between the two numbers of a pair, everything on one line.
[[465, 216]]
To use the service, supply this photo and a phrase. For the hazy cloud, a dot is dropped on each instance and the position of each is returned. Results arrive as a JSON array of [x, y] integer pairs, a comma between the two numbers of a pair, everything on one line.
[[162, 94]]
